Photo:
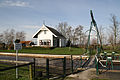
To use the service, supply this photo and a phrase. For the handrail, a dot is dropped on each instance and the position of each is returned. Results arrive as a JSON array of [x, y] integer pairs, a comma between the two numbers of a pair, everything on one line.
[[16, 66]]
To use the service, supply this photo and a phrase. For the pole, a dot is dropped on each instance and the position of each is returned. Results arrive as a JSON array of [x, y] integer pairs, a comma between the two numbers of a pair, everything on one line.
[[96, 65], [64, 66], [16, 64], [30, 70], [72, 65], [81, 61], [47, 68], [34, 67]]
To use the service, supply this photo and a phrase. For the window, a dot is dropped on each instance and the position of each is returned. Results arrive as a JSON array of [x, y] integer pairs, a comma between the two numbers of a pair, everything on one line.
[[41, 43], [44, 31], [48, 43], [44, 42]]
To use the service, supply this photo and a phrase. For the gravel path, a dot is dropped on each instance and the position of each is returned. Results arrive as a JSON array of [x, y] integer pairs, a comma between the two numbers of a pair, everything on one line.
[[85, 75]]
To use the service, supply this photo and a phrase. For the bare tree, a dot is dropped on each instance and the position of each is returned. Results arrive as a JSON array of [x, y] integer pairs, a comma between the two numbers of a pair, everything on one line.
[[102, 35], [74, 38], [114, 28], [8, 37], [79, 33], [75, 35], [69, 32], [20, 35], [62, 27], [111, 40], [1, 38]]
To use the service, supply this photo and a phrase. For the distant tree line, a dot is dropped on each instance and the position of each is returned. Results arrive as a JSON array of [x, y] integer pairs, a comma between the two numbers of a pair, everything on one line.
[[8, 37], [76, 35], [114, 31]]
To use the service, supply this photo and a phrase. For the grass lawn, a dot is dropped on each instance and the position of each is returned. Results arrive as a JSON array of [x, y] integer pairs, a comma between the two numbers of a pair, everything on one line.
[[62, 51], [10, 74]]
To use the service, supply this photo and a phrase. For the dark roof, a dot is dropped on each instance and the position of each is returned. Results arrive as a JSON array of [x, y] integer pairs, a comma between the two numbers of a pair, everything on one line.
[[55, 32]]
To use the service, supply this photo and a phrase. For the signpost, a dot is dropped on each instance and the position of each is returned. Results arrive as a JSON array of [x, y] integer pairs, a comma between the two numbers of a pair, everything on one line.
[[17, 46]]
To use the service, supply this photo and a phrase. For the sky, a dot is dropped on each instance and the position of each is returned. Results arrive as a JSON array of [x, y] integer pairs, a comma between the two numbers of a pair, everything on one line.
[[28, 15]]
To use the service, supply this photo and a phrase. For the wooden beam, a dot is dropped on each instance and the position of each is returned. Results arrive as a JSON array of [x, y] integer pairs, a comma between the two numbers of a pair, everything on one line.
[[11, 61], [35, 55], [43, 55]]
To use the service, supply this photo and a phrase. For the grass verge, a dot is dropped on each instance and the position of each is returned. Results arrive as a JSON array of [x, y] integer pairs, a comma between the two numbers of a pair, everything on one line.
[[57, 51]]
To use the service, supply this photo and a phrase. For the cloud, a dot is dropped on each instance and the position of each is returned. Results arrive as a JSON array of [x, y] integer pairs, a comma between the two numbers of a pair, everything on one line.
[[14, 3], [31, 26]]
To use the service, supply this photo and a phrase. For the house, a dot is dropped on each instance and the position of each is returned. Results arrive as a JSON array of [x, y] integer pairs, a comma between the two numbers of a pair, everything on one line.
[[26, 43], [49, 37]]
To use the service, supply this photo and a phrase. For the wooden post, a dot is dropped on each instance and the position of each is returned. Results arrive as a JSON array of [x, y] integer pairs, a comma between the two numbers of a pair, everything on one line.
[[64, 66], [30, 70], [34, 68], [72, 65], [47, 68]]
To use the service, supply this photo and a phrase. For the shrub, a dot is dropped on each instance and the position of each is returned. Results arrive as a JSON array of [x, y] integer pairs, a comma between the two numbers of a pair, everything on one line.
[[2, 46]]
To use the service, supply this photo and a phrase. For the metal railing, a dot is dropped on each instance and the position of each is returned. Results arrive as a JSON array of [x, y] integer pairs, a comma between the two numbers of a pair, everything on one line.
[[8, 71], [45, 68]]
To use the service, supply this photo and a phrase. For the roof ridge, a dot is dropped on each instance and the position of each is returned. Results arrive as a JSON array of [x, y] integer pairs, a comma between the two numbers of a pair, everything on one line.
[[54, 31]]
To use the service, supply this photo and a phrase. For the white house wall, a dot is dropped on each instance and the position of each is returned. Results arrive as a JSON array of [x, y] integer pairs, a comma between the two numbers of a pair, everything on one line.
[[42, 36], [49, 36]]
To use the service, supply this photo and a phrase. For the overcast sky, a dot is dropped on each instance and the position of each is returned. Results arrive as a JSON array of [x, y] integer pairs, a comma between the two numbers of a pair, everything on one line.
[[28, 15]]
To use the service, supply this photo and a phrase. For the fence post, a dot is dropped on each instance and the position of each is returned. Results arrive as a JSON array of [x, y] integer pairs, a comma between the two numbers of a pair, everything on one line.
[[47, 68], [17, 64], [81, 60], [97, 68], [30, 70], [96, 64], [64, 66], [119, 57], [72, 64], [34, 67]]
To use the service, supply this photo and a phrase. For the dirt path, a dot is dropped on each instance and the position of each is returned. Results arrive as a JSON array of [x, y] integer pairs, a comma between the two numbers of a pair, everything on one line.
[[85, 75]]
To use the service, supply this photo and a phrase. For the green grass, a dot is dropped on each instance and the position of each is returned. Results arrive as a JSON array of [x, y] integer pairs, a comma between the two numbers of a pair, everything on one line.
[[10, 74], [62, 51], [23, 73]]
